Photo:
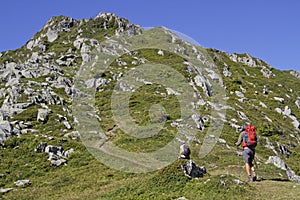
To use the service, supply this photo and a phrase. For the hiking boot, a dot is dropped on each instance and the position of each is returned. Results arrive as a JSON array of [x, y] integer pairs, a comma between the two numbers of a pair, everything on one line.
[[254, 176], [249, 179]]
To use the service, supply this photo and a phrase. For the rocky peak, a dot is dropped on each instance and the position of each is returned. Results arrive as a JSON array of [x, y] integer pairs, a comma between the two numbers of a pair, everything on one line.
[[245, 59], [60, 23], [296, 74], [110, 20]]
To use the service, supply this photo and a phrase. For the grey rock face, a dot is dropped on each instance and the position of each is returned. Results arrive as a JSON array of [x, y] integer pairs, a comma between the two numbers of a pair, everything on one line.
[[226, 71], [202, 82], [247, 59], [42, 115], [278, 162], [266, 72], [57, 155], [296, 74], [199, 122], [56, 150], [191, 170], [5, 131], [51, 35]]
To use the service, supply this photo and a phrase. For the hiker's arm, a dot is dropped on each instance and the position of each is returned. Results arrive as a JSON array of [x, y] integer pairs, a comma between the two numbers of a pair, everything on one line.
[[240, 139]]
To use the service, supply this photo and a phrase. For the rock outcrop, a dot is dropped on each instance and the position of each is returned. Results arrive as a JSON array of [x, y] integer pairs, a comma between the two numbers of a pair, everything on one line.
[[57, 155], [191, 170]]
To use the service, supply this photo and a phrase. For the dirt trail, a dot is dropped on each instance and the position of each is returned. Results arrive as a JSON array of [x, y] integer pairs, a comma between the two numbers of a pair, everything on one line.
[[277, 189]]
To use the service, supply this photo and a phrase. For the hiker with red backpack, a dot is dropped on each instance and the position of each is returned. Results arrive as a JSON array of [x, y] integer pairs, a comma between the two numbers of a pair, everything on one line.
[[248, 139]]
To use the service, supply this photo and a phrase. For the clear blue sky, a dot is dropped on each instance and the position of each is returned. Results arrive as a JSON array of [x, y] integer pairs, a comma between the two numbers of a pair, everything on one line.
[[267, 29]]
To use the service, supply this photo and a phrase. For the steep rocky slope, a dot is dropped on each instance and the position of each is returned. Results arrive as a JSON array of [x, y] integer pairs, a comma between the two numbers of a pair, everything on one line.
[[43, 97]]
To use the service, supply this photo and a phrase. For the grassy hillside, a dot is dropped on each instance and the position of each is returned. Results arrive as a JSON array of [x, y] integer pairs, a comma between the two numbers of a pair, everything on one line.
[[42, 74]]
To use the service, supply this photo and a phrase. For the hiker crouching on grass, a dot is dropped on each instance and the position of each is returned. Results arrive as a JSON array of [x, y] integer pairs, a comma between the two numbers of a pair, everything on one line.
[[248, 139]]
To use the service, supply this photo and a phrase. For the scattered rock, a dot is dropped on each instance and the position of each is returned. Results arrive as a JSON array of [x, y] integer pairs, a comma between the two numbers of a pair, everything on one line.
[[191, 170], [184, 151], [56, 150], [21, 183], [74, 135], [160, 52], [297, 102], [42, 115], [67, 125], [41, 148], [226, 71], [5, 190], [263, 105], [68, 152], [182, 198], [265, 90], [239, 94], [287, 111], [278, 110], [267, 72], [57, 155], [245, 59], [281, 100], [170, 91], [296, 74], [6, 131], [58, 162], [242, 116], [199, 122]]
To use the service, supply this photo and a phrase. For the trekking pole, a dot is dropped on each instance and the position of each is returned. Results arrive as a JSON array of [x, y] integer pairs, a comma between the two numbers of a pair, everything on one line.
[[255, 166], [239, 164]]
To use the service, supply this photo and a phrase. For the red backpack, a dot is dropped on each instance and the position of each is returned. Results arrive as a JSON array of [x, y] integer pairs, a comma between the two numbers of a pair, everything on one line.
[[250, 137]]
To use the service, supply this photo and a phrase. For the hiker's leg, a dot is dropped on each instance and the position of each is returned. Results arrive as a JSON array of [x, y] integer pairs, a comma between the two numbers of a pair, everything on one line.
[[248, 169], [248, 163], [251, 160]]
